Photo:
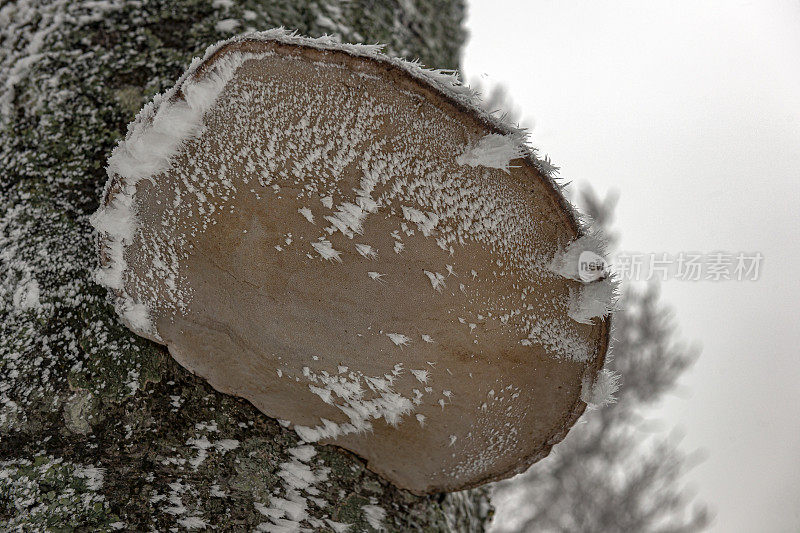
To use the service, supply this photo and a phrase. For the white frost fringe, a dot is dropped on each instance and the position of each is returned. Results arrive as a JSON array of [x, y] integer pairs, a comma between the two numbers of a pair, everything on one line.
[[601, 392], [494, 150], [595, 299], [589, 300]]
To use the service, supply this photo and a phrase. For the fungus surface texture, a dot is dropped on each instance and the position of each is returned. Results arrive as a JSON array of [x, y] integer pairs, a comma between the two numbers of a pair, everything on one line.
[[348, 242]]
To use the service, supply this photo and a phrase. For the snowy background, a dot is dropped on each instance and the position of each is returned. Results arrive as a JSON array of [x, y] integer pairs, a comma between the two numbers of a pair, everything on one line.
[[691, 110]]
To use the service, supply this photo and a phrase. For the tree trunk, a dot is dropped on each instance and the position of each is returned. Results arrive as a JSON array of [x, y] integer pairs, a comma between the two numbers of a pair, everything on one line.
[[99, 429]]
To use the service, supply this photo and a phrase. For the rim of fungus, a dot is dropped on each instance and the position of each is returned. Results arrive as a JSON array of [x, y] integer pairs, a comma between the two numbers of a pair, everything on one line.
[[422, 82]]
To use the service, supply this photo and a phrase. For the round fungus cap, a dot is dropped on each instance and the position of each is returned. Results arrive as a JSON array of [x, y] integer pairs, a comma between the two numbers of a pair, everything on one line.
[[348, 242]]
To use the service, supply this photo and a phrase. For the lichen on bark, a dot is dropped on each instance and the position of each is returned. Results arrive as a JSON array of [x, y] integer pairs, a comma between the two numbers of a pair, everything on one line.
[[99, 429]]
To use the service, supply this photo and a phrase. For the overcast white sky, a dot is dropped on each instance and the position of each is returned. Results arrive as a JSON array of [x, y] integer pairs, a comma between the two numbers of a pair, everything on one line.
[[691, 109]]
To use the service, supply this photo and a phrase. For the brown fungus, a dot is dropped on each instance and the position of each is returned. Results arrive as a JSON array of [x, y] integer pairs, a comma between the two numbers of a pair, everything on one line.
[[348, 242]]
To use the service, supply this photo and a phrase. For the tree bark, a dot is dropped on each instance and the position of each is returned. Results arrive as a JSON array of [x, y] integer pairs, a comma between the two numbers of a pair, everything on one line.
[[99, 429]]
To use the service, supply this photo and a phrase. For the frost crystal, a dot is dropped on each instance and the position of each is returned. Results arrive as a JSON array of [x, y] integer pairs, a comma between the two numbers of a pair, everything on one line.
[[399, 339], [493, 150], [596, 299], [325, 249], [437, 280], [366, 251], [602, 392], [565, 263], [306, 212]]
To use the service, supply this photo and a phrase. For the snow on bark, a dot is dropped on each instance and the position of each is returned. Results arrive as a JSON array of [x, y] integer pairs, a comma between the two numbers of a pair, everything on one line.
[[375, 516]]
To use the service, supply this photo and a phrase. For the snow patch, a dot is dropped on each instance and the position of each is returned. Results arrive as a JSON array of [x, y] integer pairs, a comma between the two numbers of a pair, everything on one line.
[[425, 222], [325, 249], [377, 276], [303, 453], [348, 394], [193, 522], [93, 476], [437, 280], [375, 516], [135, 314], [26, 297], [306, 212], [338, 527], [494, 150], [349, 219], [287, 514], [366, 251], [226, 25], [399, 339], [421, 375]]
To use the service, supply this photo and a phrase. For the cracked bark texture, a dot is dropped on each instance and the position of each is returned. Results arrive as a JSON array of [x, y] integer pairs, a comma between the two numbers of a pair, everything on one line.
[[101, 430]]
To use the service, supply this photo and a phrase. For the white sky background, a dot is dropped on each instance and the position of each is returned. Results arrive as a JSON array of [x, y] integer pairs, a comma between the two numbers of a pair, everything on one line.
[[691, 110]]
